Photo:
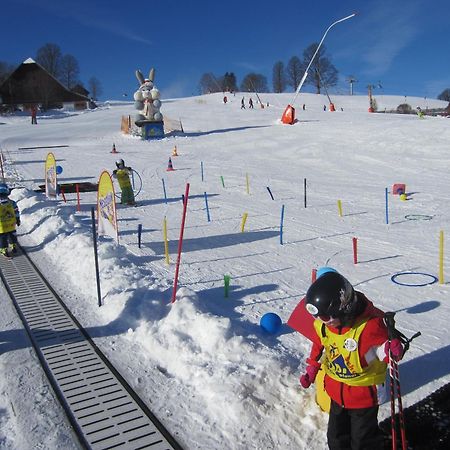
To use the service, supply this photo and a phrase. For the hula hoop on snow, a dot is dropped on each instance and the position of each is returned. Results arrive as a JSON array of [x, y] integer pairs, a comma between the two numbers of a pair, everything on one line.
[[418, 217], [395, 276], [136, 190]]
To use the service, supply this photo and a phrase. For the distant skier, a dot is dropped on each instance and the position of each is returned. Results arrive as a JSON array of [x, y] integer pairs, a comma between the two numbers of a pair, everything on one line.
[[354, 343], [123, 174], [34, 115], [250, 103], [9, 218], [243, 103]]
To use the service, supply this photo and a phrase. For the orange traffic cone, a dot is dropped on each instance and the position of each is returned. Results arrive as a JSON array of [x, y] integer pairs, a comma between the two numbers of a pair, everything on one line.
[[114, 149], [170, 166], [174, 151]]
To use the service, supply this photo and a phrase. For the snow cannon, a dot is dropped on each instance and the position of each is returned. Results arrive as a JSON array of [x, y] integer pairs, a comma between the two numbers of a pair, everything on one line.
[[271, 323], [288, 116]]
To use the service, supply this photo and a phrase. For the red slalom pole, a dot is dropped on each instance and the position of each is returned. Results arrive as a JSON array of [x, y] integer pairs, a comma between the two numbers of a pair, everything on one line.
[[78, 197], [355, 250], [180, 243]]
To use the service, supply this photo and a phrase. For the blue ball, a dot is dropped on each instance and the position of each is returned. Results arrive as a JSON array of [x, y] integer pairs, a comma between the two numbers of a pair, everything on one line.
[[271, 323], [323, 270], [59, 169]]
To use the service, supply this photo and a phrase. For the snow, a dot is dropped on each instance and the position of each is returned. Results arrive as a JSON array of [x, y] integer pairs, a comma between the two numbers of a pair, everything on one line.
[[203, 364]]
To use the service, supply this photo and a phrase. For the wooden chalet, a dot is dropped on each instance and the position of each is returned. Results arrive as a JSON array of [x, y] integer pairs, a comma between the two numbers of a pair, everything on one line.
[[31, 85]]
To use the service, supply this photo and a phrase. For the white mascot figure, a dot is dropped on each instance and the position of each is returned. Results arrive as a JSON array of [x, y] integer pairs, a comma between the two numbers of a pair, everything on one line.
[[148, 104]]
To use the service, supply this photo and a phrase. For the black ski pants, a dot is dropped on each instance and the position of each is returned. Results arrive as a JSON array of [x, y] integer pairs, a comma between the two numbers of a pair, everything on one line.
[[354, 429]]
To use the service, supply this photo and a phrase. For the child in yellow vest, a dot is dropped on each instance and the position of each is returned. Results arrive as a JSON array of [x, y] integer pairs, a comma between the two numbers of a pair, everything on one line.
[[9, 218], [352, 349], [122, 174]]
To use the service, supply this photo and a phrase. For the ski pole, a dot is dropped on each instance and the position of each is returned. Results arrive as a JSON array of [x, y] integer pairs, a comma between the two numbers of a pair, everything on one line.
[[395, 377]]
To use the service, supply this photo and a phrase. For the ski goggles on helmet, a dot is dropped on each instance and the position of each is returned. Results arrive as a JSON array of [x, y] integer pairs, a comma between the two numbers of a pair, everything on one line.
[[312, 309]]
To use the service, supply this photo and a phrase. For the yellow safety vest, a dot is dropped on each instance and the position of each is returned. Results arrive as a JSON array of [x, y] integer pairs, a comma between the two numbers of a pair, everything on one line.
[[123, 178], [342, 362], [7, 217]]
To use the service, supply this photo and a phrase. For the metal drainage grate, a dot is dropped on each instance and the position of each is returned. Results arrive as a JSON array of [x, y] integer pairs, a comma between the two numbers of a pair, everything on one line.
[[104, 410]]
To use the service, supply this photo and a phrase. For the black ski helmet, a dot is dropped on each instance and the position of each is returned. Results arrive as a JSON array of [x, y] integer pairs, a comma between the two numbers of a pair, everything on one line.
[[331, 295], [120, 163]]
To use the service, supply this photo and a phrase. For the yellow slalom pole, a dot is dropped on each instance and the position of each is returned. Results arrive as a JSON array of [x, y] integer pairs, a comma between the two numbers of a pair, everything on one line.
[[166, 242], [339, 203], [248, 184], [441, 257], [244, 219]]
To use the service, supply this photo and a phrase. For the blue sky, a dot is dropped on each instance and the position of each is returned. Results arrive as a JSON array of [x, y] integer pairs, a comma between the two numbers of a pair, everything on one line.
[[401, 44]]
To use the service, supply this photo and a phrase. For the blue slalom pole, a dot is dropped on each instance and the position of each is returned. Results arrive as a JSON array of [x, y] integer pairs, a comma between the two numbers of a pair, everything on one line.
[[139, 234], [207, 208], [164, 189], [387, 207], [281, 224]]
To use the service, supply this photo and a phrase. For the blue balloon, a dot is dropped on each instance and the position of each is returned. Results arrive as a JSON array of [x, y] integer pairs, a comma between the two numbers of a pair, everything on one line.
[[271, 323], [59, 169], [323, 270]]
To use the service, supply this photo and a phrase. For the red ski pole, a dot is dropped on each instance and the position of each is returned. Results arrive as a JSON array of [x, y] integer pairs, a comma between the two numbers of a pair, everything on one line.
[[394, 376]]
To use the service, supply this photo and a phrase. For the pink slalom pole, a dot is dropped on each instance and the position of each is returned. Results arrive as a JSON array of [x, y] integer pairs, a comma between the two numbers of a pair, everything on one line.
[[180, 243], [313, 275], [355, 250]]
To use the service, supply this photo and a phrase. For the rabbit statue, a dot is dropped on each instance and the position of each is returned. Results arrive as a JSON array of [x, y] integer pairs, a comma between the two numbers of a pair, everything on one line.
[[147, 100]]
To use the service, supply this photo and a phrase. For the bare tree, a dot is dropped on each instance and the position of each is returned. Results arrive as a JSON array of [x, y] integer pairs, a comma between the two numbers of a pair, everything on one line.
[[294, 72], [321, 65], [254, 82], [278, 77], [95, 88], [49, 57], [209, 83], [69, 71]]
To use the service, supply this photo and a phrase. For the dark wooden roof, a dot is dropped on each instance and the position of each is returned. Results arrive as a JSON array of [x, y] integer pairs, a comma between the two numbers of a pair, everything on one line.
[[30, 83]]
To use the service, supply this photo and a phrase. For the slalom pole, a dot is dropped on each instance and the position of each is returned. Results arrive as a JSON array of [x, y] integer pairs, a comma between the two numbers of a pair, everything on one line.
[[247, 183], [223, 182], [207, 208], [164, 190], [355, 250], [97, 273], [139, 234], [166, 242], [386, 204], [441, 257], [339, 204], [201, 168], [180, 244], [77, 188], [281, 224], [244, 219], [63, 195]]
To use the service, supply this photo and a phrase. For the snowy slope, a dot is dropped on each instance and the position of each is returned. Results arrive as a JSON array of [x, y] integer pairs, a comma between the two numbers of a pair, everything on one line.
[[203, 364]]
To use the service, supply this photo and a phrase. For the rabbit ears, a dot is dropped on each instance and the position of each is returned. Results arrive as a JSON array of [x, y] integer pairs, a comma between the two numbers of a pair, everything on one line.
[[141, 79]]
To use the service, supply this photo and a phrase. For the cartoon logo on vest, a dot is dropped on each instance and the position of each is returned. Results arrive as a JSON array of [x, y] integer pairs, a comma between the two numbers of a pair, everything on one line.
[[340, 368]]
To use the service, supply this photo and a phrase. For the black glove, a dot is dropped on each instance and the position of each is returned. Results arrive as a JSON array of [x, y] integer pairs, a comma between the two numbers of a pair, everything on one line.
[[18, 222]]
